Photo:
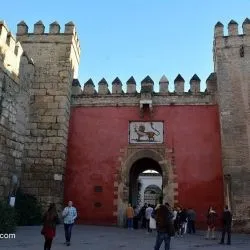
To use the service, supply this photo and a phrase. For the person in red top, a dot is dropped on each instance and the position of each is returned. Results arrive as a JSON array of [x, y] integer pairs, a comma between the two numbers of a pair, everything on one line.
[[211, 221], [50, 219]]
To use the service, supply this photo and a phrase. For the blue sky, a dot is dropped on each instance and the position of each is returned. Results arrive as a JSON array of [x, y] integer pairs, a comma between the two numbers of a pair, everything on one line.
[[136, 37]]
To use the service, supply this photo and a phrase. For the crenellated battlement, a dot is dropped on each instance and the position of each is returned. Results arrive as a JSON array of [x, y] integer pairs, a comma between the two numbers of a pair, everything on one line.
[[231, 37], [53, 35], [147, 86], [10, 50], [89, 96]]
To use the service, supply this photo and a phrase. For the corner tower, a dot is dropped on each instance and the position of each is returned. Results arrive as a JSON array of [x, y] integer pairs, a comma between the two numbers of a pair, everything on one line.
[[231, 60], [56, 58]]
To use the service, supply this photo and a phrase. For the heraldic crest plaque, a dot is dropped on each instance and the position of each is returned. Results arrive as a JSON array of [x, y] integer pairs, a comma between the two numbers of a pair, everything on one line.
[[146, 132]]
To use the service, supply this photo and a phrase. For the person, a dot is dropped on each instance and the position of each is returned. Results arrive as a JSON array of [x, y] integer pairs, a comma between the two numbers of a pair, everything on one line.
[[191, 221], [183, 220], [130, 216], [50, 219], [177, 221], [226, 223], [142, 215], [174, 219], [169, 207], [164, 227], [211, 221], [69, 215], [148, 214], [136, 217]]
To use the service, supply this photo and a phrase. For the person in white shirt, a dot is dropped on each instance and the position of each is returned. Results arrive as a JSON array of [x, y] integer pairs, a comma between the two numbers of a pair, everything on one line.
[[69, 215], [148, 214]]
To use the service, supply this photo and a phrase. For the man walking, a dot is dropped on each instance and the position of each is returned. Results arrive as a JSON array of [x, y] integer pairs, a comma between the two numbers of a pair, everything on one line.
[[164, 227], [69, 215], [227, 223]]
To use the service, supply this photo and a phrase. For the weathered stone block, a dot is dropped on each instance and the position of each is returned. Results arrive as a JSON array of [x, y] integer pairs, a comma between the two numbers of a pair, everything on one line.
[[56, 140], [33, 125], [38, 132], [53, 105], [48, 162], [29, 160], [33, 153], [44, 99], [46, 146], [54, 92], [61, 99], [48, 119], [51, 154], [54, 112], [51, 133], [62, 133], [62, 119], [59, 162], [32, 146], [42, 139], [38, 92], [44, 125]]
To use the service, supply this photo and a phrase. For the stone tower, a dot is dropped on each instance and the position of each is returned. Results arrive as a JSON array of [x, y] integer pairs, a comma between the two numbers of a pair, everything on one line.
[[231, 60], [56, 59]]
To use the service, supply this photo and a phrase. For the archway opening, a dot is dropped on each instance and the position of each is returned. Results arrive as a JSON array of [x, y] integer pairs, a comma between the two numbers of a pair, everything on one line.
[[152, 192], [145, 182]]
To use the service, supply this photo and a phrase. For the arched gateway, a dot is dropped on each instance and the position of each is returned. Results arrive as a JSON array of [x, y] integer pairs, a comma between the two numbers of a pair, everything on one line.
[[134, 163]]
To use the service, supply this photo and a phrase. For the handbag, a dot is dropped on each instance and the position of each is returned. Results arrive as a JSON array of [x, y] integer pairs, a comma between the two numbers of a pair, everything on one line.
[[152, 223]]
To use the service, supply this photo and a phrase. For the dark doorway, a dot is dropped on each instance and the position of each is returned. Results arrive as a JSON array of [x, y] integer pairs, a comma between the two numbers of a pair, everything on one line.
[[138, 168]]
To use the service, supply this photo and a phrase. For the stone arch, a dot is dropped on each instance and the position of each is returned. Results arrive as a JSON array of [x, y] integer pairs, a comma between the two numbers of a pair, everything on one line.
[[152, 187], [126, 165], [148, 195], [145, 153]]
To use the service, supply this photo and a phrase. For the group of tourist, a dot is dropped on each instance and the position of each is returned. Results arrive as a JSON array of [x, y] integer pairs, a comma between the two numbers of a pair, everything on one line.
[[182, 221], [168, 222], [50, 219]]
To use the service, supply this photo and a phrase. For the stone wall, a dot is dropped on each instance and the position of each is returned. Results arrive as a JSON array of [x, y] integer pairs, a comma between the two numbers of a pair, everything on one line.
[[16, 76], [232, 58], [56, 57]]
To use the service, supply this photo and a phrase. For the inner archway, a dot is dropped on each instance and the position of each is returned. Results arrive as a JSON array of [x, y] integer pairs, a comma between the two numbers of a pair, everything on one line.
[[137, 186], [152, 193]]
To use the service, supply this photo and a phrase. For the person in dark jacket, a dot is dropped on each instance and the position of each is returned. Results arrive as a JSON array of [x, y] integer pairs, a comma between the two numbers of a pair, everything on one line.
[[191, 220], [50, 219], [226, 223], [164, 227], [142, 215], [183, 221]]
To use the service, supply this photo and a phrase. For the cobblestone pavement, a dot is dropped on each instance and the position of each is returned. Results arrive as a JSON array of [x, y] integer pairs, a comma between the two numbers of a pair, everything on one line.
[[112, 238]]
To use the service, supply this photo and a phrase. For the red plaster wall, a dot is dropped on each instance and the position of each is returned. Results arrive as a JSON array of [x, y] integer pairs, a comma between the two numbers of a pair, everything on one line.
[[97, 134]]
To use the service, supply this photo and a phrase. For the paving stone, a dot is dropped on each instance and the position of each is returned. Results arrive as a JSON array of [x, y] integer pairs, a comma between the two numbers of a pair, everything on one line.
[[113, 238]]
